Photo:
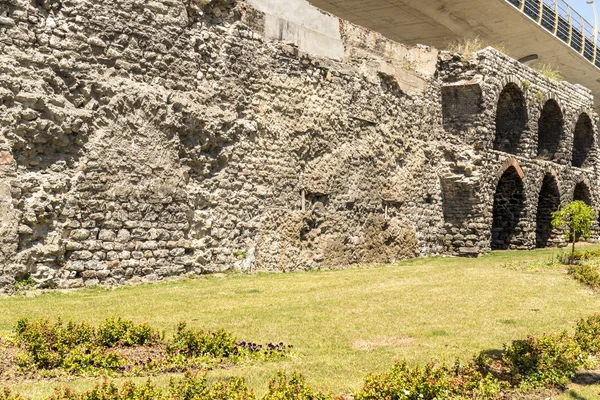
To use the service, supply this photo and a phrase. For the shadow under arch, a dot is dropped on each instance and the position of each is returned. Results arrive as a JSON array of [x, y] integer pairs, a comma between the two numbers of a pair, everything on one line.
[[509, 208], [583, 141], [582, 193], [511, 119], [550, 131], [548, 202]]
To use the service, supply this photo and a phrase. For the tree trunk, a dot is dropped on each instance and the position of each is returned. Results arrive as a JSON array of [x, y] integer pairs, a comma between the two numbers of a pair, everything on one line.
[[572, 247]]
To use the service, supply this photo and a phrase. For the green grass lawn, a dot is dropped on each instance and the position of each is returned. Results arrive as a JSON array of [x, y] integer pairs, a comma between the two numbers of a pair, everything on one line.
[[344, 324]]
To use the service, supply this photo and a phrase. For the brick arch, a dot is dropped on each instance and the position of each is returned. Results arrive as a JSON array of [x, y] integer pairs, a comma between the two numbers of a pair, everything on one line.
[[510, 162], [508, 207], [551, 128], [511, 117]]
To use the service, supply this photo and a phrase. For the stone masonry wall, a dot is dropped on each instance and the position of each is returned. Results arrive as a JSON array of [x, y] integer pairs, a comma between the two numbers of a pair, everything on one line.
[[142, 139]]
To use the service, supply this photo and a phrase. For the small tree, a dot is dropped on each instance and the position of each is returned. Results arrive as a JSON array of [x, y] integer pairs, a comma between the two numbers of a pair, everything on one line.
[[574, 219]]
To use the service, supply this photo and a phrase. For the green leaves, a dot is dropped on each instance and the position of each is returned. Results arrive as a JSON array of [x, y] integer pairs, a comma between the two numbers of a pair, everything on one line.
[[574, 218], [79, 348]]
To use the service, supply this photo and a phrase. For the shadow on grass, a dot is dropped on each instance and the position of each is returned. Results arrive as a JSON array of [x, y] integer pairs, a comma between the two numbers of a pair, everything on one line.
[[587, 378], [494, 354], [575, 396]]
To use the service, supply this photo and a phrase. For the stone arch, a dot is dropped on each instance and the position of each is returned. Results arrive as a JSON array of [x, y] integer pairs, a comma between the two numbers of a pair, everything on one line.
[[582, 193], [548, 202], [583, 141], [550, 130], [509, 208], [511, 118]]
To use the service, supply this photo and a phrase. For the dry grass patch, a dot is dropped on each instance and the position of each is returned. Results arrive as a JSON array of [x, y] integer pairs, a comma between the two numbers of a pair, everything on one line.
[[468, 46], [382, 341], [550, 72]]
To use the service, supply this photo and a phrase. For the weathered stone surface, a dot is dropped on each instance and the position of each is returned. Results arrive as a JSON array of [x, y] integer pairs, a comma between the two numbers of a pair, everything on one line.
[[143, 140]]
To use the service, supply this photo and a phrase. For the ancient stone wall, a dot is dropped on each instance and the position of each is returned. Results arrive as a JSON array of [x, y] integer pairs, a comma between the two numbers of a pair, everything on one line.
[[535, 140], [144, 139]]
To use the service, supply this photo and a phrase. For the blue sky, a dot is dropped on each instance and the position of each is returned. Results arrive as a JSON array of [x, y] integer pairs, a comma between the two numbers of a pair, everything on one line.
[[585, 9]]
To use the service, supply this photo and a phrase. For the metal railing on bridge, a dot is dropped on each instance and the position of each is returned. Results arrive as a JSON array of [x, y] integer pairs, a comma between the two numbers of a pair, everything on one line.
[[562, 21]]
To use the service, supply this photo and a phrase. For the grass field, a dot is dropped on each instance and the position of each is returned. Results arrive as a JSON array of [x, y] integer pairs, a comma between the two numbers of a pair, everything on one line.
[[344, 324]]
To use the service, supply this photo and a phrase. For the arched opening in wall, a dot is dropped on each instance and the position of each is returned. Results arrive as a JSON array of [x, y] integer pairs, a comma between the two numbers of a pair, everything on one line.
[[511, 119], [509, 209], [583, 141], [548, 202], [551, 125], [582, 193]]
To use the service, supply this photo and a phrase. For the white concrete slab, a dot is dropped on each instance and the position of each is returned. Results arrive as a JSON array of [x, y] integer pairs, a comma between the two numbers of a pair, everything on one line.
[[297, 21]]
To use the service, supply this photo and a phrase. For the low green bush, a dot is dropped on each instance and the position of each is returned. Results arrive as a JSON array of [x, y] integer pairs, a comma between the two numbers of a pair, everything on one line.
[[118, 332], [88, 359], [233, 389], [191, 387], [109, 391], [405, 383], [550, 360], [47, 344], [431, 382], [293, 388], [586, 255], [196, 343], [6, 394], [587, 334], [586, 274], [79, 348]]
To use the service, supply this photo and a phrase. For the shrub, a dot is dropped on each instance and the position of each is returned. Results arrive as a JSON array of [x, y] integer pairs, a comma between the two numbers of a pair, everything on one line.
[[405, 383], [586, 255], [234, 389], [293, 388], [109, 391], [432, 382], [189, 388], [24, 282], [587, 334], [83, 359], [47, 344], [586, 274], [196, 342], [550, 360], [118, 332], [81, 348], [77, 347], [6, 394]]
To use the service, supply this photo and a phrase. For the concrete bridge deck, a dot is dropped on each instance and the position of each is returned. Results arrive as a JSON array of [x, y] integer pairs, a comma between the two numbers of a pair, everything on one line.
[[440, 22]]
